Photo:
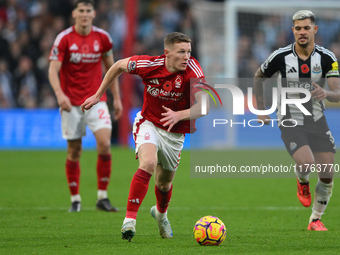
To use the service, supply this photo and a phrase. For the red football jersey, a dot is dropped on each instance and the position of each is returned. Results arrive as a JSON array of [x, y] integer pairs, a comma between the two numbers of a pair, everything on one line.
[[173, 90], [81, 56]]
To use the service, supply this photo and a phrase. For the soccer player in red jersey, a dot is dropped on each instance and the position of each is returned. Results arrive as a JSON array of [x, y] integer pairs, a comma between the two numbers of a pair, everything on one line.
[[75, 73], [172, 102]]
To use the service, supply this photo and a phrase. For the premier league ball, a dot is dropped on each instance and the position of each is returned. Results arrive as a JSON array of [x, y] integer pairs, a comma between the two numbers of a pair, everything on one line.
[[210, 230]]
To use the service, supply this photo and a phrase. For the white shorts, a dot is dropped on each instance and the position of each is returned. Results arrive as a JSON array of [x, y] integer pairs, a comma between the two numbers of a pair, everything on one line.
[[169, 145], [73, 123]]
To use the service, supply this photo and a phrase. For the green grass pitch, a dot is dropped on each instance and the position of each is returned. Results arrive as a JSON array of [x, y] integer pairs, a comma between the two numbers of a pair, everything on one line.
[[262, 216]]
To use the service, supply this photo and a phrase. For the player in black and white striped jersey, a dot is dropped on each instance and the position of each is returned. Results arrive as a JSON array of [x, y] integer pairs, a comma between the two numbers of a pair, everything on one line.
[[307, 65]]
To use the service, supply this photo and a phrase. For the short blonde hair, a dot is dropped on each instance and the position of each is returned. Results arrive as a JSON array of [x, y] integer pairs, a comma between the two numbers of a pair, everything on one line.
[[175, 37], [304, 14]]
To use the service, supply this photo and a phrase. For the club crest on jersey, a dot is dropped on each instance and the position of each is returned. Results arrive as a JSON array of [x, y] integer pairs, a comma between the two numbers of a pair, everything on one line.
[[316, 69], [292, 146], [304, 68], [178, 82], [131, 66], [96, 45]]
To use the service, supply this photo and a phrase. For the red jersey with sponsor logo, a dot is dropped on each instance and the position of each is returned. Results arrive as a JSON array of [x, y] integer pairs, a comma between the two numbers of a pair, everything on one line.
[[173, 90], [81, 56]]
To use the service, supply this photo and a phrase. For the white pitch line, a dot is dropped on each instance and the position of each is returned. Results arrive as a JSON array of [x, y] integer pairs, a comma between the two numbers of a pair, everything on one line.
[[218, 208]]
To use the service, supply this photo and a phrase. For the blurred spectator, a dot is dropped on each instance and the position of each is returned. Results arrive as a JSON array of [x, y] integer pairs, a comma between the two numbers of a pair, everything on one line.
[[28, 28], [60, 8], [148, 27], [3, 13], [36, 7], [11, 11], [152, 34], [9, 32], [15, 53], [270, 27], [118, 25], [334, 47], [47, 98], [4, 45], [6, 83], [260, 48], [262, 34], [244, 54], [170, 15], [21, 21], [27, 83], [187, 25], [328, 29]]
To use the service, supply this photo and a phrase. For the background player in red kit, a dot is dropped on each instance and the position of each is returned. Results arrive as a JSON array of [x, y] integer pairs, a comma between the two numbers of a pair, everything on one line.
[[169, 110], [75, 73]]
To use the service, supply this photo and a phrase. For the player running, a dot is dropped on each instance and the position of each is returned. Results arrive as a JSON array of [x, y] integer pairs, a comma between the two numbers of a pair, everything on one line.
[[169, 111], [305, 64]]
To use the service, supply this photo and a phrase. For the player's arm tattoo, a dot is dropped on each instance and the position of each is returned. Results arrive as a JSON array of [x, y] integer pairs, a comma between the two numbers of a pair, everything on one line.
[[334, 89]]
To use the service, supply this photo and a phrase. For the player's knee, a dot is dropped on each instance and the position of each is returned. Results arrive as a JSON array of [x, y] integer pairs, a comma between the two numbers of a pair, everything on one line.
[[326, 173], [74, 149], [74, 154], [164, 187], [148, 165], [304, 164], [327, 179], [104, 146]]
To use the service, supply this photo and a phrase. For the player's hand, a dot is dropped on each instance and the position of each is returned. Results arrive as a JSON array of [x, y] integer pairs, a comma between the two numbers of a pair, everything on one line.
[[91, 101], [170, 118], [265, 119], [117, 109], [64, 102], [318, 93]]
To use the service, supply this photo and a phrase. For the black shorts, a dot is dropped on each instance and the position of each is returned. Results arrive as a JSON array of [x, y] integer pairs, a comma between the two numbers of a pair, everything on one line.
[[314, 134]]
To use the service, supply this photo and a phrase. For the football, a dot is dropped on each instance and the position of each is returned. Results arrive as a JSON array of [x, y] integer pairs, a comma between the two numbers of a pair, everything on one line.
[[210, 230]]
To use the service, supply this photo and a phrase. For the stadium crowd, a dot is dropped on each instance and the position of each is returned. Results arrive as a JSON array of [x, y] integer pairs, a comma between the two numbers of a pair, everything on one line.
[[29, 27]]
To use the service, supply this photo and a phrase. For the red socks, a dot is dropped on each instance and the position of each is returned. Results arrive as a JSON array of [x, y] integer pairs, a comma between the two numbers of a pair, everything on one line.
[[72, 174], [103, 171], [138, 189], [163, 199]]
